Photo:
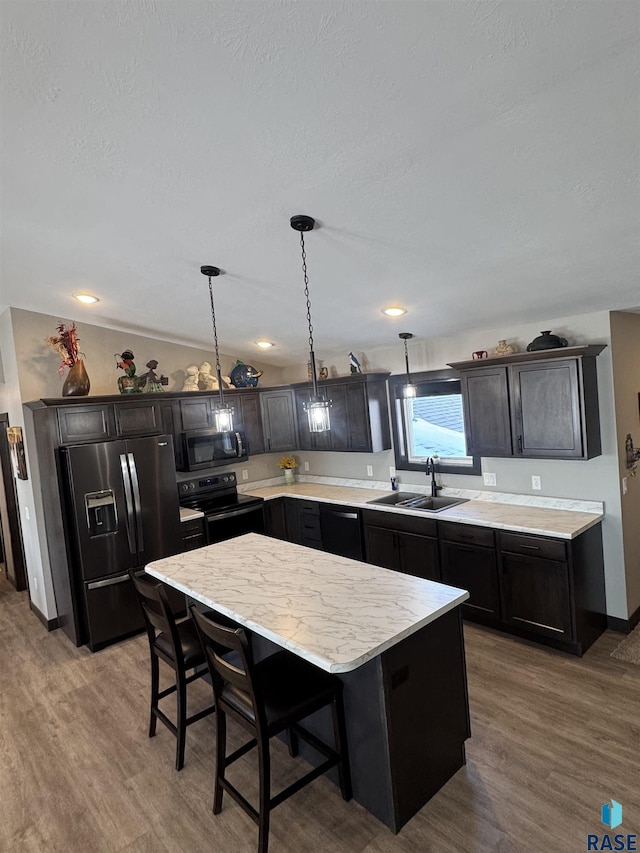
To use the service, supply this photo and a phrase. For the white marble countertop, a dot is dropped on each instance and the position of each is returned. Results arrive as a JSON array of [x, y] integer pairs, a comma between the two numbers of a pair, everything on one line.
[[187, 514], [543, 521], [334, 612]]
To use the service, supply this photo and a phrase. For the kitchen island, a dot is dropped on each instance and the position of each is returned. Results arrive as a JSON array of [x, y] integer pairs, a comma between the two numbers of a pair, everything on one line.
[[394, 640]]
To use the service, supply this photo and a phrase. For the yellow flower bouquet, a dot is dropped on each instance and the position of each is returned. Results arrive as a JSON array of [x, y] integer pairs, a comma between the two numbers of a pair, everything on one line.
[[288, 462]]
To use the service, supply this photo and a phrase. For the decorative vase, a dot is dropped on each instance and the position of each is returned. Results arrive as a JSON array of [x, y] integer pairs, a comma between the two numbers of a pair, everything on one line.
[[546, 341], [289, 476], [504, 348], [77, 383]]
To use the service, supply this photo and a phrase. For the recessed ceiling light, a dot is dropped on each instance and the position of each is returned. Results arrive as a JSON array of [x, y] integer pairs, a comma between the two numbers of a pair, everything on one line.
[[394, 311], [264, 344], [85, 298]]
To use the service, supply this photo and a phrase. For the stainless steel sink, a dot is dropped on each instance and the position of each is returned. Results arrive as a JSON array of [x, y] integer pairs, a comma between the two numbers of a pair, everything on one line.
[[407, 500]]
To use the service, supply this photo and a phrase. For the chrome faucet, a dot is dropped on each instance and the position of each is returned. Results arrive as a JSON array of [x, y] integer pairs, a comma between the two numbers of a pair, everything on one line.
[[431, 469]]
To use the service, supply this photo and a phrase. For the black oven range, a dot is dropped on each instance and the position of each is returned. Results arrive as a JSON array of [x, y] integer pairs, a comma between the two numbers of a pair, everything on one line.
[[227, 513]]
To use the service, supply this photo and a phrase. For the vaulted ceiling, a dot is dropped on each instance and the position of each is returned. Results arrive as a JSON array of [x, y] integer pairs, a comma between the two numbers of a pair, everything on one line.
[[476, 162]]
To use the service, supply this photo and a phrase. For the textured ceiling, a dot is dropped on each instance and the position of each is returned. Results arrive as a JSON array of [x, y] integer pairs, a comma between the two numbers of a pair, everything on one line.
[[476, 162]]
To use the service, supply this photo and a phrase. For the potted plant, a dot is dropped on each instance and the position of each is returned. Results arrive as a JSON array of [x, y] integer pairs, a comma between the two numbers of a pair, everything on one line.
[[288, 464]]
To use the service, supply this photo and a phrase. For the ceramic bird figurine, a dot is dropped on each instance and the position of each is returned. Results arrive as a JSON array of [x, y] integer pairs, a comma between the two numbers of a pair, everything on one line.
[[354, 364]]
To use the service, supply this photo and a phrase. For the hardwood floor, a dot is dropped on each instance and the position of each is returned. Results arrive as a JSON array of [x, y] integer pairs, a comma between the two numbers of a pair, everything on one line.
[[554, 737]]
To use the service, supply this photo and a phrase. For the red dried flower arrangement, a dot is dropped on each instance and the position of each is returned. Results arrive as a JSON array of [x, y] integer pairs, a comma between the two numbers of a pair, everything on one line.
[[66, 345]]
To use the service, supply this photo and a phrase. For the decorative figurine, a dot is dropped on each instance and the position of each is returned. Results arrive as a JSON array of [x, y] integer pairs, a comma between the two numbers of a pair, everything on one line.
[[208, 382], [191, 381], [150, 382], [547, 341], [244, 375], [129, 383], [354, 364], [504, 348]]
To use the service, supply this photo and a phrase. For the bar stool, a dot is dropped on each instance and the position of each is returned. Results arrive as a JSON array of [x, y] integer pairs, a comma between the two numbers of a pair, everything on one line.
[[178, 645], [267, 698]]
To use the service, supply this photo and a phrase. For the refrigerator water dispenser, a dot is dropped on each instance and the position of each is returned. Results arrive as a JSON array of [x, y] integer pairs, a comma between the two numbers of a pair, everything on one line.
[[101, 513]]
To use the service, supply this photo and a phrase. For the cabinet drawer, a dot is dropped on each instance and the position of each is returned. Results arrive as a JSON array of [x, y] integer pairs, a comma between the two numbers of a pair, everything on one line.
[[400, 522], [190, 543], [308, 507], [194, 525], [310, 527], [533, 546], [467, 534]]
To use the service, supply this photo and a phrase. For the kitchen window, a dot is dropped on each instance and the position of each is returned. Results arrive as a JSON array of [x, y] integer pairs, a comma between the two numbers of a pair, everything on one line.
[[430, 424]]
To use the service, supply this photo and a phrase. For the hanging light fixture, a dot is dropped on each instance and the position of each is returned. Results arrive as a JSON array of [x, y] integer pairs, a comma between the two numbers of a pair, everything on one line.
[[317, 408], [409, 389], [222, 413]]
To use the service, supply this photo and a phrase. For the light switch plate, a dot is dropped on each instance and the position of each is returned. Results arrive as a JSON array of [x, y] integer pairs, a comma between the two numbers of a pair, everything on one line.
[[369, 470], [245, 474], [535, 482], [624, 486], [489, 479], [306, 466]]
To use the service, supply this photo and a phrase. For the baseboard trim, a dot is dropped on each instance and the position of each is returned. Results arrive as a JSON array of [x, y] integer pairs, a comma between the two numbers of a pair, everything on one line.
[[49, 624], [624, 626]]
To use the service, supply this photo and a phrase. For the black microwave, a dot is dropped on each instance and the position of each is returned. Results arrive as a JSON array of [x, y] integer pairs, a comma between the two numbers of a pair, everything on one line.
[[206, 448]]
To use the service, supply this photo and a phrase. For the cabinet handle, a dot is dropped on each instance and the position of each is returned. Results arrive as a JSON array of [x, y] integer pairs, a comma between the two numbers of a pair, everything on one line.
[[519, 444], [465, 548], [531, 547]]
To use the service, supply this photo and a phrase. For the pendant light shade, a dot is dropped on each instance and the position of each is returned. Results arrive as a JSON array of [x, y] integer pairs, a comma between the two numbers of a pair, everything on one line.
[[317, 409], [222, 413], [409, 389]]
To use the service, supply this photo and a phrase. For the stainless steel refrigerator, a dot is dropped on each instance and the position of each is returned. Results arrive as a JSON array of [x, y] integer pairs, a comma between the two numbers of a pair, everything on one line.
[[122, 512]]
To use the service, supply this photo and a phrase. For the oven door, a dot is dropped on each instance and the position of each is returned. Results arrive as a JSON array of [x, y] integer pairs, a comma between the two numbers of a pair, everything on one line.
[[234, 522]]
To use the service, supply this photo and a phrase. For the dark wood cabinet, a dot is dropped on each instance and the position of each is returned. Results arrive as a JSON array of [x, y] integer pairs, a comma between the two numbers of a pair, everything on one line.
[[196, 412], [275, 518], [303, 522], [86, 424], [469, 561], [193, 534], [247, 416], [134, 419], [278, 420], [403, 543], [533, 405], [535, 595], [359, 415]]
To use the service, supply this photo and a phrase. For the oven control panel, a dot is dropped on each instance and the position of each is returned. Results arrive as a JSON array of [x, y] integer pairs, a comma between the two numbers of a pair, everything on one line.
[[207, 484]]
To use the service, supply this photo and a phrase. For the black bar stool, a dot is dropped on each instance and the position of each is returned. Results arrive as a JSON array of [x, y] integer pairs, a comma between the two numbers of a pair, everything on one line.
[[178, 645], [265, 699]]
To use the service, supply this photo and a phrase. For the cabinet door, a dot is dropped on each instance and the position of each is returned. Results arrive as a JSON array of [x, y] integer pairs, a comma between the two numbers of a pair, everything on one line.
[[308, 440], [138, 419], [419, 556], [170, 421], [485, 396], [535, 595], [80, 424], [381, 547], [196, 413], [278, 421], [275, 520], [473, 568], [359, 435], [546, 408], [339, 417], [249, 418]]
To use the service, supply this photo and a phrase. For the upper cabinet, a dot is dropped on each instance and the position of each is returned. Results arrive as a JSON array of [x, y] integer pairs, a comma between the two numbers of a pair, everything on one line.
[[533, 405], [359, 415], [247, 416], [278, 420]]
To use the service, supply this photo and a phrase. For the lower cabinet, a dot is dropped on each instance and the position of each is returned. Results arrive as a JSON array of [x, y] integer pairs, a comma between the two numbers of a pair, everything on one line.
[[535, 585], [469, 562], [303, 522], [193, 534], [275, 519], [404, 543]]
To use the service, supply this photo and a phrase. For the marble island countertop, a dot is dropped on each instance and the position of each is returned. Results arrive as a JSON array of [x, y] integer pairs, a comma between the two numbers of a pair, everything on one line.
[[519, 518], [334, 612]]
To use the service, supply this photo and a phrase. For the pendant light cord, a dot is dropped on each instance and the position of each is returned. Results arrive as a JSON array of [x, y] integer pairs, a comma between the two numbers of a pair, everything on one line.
[[215, 338], [306, 293]]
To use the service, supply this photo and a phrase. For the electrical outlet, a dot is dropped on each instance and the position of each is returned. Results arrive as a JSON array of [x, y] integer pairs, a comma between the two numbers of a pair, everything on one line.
[[624, 486], [369, 470], [392, 470], [535, 482], [489, 479], [245, 474], [306, 466], [26, 513]]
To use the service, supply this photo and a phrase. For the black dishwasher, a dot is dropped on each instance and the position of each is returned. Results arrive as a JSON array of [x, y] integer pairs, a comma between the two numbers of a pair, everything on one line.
[[341, 528]]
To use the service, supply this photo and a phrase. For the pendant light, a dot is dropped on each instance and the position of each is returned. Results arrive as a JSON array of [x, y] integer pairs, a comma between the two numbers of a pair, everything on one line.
[[409, 389], [222, 413], [317, 408]]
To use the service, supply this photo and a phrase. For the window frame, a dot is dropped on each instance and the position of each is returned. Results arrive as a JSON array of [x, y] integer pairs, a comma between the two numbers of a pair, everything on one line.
[[423, 381]]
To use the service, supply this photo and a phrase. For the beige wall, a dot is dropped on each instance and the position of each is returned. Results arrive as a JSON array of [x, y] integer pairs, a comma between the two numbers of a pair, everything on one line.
[[625, 346]]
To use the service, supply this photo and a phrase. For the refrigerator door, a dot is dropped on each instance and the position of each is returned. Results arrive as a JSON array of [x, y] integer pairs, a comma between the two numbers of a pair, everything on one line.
[[113, 610], [154, 497], [99, 515]]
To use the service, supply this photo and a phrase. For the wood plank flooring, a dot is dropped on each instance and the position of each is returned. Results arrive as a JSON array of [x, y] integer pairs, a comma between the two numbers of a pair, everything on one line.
[[554, 737]]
